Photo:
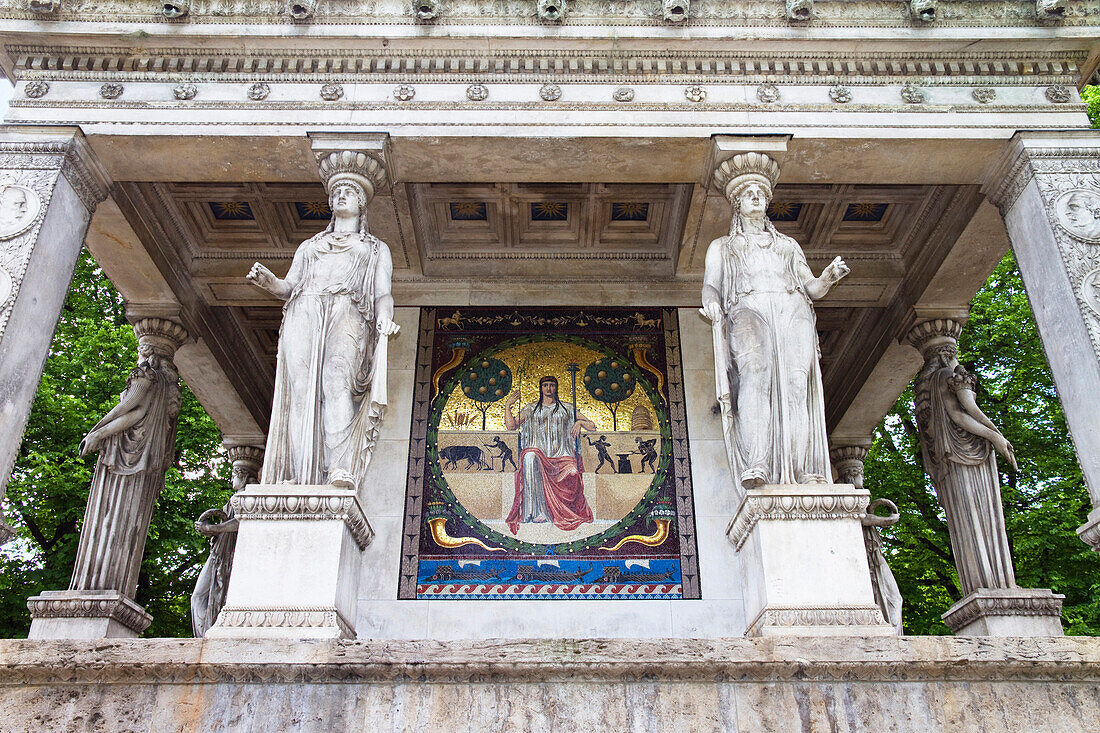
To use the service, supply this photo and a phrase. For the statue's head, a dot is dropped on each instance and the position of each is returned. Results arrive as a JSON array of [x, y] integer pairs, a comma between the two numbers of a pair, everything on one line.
[[748, 179], [351, 180]]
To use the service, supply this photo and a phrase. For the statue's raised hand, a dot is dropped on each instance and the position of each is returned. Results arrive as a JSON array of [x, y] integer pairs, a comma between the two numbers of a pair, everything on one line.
[[835, 271], [264, 278]]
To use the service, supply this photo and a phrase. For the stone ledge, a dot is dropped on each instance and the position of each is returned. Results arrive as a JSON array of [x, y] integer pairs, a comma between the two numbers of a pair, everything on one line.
[[321, 503], [786, 502], [772, 659]]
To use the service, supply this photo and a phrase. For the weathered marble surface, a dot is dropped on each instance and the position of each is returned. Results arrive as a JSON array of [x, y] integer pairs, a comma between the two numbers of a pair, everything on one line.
[[776, 684]]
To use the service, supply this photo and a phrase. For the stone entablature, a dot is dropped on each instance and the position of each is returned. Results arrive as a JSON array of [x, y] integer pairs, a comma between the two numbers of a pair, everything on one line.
[[700, 13]]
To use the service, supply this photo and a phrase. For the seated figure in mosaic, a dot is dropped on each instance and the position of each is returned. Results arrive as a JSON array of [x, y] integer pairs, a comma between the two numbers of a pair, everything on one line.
[[549, 486], [330, 381], [758, 292]]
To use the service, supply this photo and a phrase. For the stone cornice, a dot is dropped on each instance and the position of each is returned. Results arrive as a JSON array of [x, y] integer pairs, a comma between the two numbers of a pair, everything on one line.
[[789, 502], [1035, 152], [878, 659], [304, 502], [62, 62], [758, 14]]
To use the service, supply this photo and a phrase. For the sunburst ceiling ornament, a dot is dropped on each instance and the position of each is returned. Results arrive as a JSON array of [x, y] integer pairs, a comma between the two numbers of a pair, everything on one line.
[[313, 210], [231, 210], [630, 211], [468, 211], [549, 211], [784, 210], [864, 212]]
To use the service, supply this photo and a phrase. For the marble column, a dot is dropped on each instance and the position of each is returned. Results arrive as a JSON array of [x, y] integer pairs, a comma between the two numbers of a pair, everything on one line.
[[959, 447], [135, 443], [847, 460], [1047, 187], [50, 183]]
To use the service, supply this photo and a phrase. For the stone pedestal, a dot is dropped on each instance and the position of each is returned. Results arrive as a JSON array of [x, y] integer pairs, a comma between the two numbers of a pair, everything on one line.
[[803, 562], [85, 614], [1007, 612], [296, 565]]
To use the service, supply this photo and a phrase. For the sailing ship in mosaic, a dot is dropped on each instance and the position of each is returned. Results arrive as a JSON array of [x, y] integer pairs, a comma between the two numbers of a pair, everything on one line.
[[549, 457]]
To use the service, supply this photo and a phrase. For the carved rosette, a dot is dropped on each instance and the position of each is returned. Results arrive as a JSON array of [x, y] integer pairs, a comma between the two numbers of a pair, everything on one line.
[[820, 501], [477, 92], [332, 92], [111, 90], [316, 504], [90, 604], [840, 94], [767, 93], [258, 92], [913, 94], [695, 93], [550, 92], [36, 89], [1058, 94], [623, 94], [984, 95], [404, 92], [184, 92]]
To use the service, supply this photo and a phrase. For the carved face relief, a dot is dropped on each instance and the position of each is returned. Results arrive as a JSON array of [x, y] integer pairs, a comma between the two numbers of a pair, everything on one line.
[[19, 206], [1090, 290], [753, 200], [346, 200], [1078, 212]]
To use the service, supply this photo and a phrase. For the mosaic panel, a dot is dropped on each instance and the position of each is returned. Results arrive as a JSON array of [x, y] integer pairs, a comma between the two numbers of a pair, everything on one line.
[[584, 492]]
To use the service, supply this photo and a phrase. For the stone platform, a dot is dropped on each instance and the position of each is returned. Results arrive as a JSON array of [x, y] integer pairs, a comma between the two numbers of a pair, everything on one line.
[[926, 684]]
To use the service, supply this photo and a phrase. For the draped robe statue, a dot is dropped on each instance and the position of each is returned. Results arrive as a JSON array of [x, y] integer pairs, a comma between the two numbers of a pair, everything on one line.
[[330, 380], [136, 445], [957, 444], [758, 292], [221, 527]]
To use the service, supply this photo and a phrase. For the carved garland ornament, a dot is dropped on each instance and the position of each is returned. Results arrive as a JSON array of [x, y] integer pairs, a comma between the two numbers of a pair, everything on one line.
[[258, 92], [36, 89], [306, 506], [122, 610], [292, 617], [767, 93], [332, 92], [783, 507], [550, 92], [695, 93]]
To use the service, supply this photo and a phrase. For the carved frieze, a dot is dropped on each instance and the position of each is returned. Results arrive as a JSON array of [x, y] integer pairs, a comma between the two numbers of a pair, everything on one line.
[[873, 13], [799, 503], [282, 505], [290, 617]]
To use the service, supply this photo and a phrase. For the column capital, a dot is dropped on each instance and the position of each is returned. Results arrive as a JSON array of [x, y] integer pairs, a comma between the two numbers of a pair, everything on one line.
[[725, 147], [928, 335], [363, 157], [64, 149], [1039, 151], [167, 333]]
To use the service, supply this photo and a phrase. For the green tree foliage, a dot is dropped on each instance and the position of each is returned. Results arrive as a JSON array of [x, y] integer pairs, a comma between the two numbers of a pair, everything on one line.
[[609, 382], [91, 355], [1091, 97], [485, 382], [1044, 501]]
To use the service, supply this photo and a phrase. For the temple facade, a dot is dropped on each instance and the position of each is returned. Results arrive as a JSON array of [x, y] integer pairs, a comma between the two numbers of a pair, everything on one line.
[[434, 269]]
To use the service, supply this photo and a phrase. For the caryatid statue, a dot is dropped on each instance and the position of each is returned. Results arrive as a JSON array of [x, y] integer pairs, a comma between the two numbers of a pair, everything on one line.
[[758, 293], [136, 445], [330, 380], [959, 445], [221, 527]]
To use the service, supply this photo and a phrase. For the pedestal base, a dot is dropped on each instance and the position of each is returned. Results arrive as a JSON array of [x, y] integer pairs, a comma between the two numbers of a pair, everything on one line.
[[1089, 532], [803, 561], [85, 614], [1007, 612], [296, 564]]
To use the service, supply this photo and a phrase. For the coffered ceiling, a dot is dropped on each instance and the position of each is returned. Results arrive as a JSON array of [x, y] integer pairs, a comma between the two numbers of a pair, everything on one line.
[[638, 238]]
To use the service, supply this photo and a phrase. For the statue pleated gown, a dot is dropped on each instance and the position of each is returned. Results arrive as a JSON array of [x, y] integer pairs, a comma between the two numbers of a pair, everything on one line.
[[778, 415], [129, 475], [963, 467], [329, 394]]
